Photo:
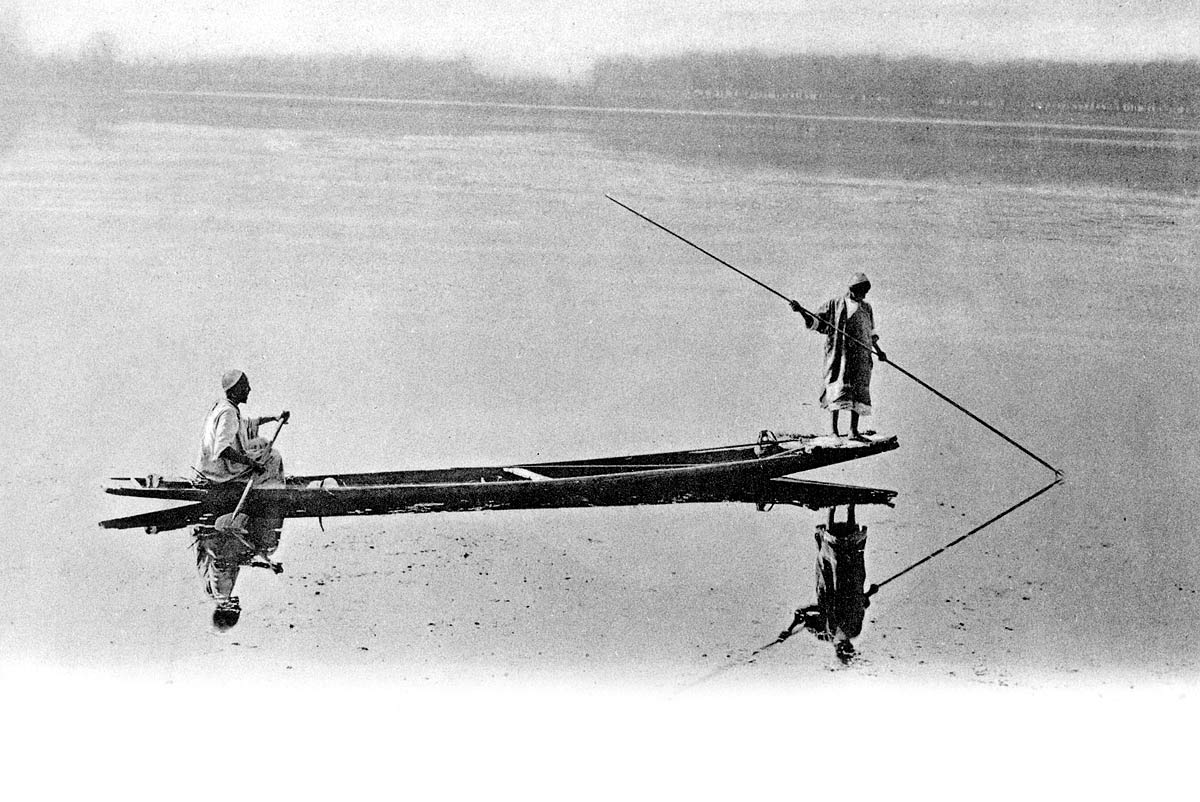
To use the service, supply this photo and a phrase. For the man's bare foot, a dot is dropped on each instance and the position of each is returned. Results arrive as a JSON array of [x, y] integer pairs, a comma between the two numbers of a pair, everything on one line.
[[862, 438]]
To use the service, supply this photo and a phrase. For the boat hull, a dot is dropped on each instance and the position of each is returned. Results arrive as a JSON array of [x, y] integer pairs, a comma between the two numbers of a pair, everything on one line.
[[732, 473]]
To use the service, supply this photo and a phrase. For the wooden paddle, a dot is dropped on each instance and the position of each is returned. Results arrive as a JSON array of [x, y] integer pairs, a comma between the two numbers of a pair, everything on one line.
[[234, 522]]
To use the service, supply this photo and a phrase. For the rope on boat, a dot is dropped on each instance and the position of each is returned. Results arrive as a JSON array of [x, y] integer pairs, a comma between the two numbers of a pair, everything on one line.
[[869, 347]]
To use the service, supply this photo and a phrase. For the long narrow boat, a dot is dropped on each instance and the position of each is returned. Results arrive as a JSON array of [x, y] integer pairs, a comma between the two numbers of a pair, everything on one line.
[[739, 472]]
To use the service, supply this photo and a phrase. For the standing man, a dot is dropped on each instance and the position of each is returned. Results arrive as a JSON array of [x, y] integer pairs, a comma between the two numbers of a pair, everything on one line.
[[848, 324], [232, 451]]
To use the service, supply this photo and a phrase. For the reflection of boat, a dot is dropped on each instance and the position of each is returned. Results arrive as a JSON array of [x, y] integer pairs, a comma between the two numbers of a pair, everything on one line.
[[732, 473]]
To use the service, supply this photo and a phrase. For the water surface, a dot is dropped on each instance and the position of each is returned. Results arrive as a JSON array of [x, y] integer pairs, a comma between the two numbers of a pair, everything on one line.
[[433, 285]]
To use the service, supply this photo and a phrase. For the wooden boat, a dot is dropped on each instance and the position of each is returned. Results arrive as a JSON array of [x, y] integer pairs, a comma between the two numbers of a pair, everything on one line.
[[747, 472]]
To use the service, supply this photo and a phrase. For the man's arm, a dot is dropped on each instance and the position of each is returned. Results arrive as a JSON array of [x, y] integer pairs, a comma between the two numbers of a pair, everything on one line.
[[878, 351], [808, 319], [283, 416], [820, 321], [233, 455]]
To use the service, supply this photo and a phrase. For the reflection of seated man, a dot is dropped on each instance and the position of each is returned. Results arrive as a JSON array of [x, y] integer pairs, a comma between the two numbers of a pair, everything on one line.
[[219, 558], [231, 452], [841, 574]]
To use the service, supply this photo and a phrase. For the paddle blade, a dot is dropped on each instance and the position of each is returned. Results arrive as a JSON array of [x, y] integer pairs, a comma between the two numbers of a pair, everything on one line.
[[233, 522]]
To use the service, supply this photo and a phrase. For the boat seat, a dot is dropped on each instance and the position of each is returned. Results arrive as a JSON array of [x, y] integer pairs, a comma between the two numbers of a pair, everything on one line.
[[527, 474]]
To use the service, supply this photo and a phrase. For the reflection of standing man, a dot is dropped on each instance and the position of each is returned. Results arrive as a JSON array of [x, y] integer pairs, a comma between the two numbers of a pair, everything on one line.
[[848, 324], [841, 574]]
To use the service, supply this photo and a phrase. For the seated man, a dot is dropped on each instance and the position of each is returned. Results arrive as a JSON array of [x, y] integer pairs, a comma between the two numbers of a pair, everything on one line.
[[230, 448], [231, 452]]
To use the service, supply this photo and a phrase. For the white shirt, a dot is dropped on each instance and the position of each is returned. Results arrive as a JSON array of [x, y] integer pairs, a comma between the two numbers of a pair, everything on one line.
[[224, 427]]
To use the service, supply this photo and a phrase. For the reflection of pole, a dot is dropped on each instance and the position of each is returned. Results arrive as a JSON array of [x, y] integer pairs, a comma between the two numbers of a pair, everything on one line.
[[787, 633], [875, 587]]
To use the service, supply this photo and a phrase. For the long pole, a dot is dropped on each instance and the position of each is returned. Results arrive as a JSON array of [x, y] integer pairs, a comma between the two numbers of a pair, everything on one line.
[[697, 247], [868, 346]]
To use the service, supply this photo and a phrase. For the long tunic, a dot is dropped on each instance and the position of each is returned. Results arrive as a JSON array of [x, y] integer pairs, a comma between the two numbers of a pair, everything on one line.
[[225, 427], [847, 368]]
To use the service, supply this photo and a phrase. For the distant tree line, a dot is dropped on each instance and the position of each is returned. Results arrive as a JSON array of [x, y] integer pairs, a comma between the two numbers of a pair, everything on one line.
[[95, 65], [367, 76], [916, 83], [744, 80], [740, 79]]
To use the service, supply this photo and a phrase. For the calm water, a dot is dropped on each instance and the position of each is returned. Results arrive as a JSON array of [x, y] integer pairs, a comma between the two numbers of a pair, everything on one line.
[[436, 285]]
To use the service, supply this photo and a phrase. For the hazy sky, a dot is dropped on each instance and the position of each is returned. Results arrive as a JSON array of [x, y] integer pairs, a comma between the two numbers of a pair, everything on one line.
[[563, 37]]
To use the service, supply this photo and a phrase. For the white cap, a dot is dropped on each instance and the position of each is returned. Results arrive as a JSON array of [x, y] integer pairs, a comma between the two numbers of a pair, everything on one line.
[[231, 377]]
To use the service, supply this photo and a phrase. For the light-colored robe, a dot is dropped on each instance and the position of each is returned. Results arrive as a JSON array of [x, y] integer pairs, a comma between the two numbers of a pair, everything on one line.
[[226, 427], [847, 368]]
